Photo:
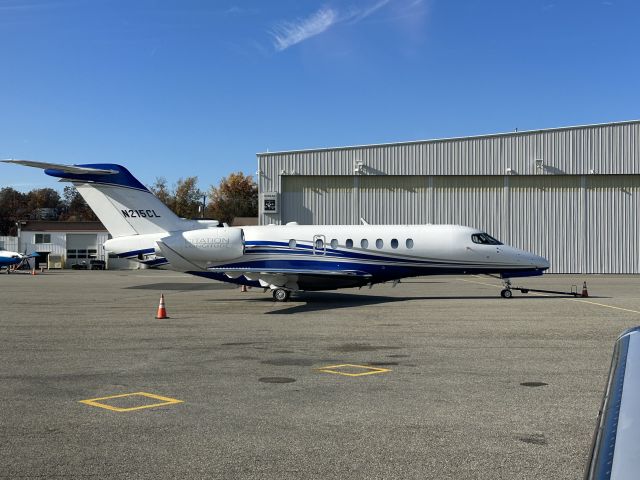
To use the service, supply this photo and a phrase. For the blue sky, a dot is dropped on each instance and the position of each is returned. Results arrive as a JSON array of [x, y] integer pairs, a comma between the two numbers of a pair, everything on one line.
[[181, 88]]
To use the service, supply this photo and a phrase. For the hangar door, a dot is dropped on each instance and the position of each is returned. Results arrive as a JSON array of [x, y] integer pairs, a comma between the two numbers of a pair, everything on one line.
[[81, 247], [474, 201], [379, 199], [318, 200], [612, 224]]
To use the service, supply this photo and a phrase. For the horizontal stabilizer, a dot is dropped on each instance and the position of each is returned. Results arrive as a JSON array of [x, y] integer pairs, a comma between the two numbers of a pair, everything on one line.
[[64, 168]]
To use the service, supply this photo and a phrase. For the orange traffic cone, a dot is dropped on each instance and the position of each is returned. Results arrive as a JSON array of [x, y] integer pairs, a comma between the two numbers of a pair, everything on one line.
[[584, 290], [162, 311]]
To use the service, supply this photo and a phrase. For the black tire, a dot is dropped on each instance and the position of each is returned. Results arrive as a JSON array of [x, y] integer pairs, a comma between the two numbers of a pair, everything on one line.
[[506, 293], [280, 295]]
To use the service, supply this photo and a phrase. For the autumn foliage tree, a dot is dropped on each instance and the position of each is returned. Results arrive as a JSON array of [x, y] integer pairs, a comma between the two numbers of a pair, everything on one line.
[[185, 199], [236, 196]]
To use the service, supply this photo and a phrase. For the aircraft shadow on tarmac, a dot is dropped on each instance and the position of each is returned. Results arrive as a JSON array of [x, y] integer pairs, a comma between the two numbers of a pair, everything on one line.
[[186, 287], [323, 301]]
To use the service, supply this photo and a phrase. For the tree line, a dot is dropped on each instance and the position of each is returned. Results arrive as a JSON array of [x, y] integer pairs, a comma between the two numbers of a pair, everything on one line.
[[235, 196]]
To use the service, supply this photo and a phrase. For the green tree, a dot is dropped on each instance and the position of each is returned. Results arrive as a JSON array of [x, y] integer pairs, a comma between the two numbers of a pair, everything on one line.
[[13, 207], [161, 190], [188, 198], [74, 206], [236, 196], [40, 198]]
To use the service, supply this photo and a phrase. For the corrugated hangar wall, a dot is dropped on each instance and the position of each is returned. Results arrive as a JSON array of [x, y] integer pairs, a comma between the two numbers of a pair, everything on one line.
[[571, 194]]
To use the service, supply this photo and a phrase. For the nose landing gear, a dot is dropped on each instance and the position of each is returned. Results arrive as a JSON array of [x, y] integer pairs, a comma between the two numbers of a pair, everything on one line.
[[506, 291]]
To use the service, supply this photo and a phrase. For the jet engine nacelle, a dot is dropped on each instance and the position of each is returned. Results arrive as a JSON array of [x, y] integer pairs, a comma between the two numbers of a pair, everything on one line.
[[207, 244]]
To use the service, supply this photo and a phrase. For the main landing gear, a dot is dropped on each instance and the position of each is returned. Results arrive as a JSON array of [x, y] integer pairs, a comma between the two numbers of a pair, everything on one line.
[[281, 295]]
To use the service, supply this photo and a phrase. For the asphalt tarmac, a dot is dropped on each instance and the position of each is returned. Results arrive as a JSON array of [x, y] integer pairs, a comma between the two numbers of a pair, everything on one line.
[[437, 378]]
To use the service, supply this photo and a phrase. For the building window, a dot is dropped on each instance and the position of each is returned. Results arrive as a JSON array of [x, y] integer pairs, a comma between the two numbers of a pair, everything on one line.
[[394, 243], [334, 243], [364, 243], [42, 238], [349, 243], [292, 243], [379, 243], [409, 243], [1, 244]]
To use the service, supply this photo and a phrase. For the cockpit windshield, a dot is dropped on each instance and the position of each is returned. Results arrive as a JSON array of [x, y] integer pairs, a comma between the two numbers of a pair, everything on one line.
[[484, 239]]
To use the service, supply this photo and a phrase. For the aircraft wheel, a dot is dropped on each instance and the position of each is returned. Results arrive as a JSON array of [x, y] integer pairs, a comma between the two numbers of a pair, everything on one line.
[[281, 295], [506, 293]]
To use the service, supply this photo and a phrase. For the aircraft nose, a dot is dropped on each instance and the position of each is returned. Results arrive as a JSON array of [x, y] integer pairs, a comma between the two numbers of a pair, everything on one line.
[[541, 262]]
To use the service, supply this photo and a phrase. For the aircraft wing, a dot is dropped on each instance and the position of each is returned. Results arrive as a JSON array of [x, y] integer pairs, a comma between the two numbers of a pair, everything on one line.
[[63, 168], [616, 444], [298, 279]]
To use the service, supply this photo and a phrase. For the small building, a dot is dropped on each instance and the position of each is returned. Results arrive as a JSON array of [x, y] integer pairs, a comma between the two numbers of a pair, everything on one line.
[[72, 242], [9, 243]]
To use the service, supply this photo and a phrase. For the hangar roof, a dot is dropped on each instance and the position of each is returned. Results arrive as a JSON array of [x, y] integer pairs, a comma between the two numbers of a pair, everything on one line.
[[55, 226]]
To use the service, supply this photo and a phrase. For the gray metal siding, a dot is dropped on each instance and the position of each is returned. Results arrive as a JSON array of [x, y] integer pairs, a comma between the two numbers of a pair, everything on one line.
[[546, 218], [605, 149], [317, 200], [471, 201], [613, 221]]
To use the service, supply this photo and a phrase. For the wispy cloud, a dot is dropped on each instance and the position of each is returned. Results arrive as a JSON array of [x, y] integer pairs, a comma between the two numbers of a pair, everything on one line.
[[287, 34]]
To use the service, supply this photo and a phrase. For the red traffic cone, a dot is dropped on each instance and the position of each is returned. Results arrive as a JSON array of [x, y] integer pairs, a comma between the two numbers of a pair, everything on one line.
[[584, 290], [162, 311]]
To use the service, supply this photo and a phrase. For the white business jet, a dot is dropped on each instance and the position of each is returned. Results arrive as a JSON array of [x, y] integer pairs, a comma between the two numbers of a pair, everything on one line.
[[283, 258]]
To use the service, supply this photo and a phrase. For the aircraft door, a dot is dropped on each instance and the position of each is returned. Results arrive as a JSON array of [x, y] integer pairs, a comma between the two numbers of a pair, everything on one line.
[[319, 245]]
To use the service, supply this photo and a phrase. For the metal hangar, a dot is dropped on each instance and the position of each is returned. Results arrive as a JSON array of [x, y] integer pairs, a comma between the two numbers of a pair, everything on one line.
[[570, 194]]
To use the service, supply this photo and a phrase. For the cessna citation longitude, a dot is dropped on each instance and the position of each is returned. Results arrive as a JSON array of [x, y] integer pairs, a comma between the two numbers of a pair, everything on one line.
[[283, 258]]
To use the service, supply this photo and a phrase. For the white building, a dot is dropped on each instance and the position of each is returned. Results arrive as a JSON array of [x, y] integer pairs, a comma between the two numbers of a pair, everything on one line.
[[74, 242], [570, 194]]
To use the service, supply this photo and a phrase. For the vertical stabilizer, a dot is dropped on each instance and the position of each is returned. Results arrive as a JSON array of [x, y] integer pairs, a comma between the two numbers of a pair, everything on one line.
[[123, 204]]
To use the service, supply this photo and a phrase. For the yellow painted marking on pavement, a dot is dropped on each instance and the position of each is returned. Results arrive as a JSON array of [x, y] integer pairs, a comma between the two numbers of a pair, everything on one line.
[[96, 402], [369, 370], [580, 300]]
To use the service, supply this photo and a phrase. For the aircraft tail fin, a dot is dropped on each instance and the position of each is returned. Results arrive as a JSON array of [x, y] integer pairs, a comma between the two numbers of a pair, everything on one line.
[[123, 204]]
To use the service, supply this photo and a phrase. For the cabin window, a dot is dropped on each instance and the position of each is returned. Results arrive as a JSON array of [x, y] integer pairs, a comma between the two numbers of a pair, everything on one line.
[[394, 243], [349, 243], [379, 243], [292, 243], [43, 238], [364, 243], [319, 244], [409, 243], [334, 243], [484, 239]]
